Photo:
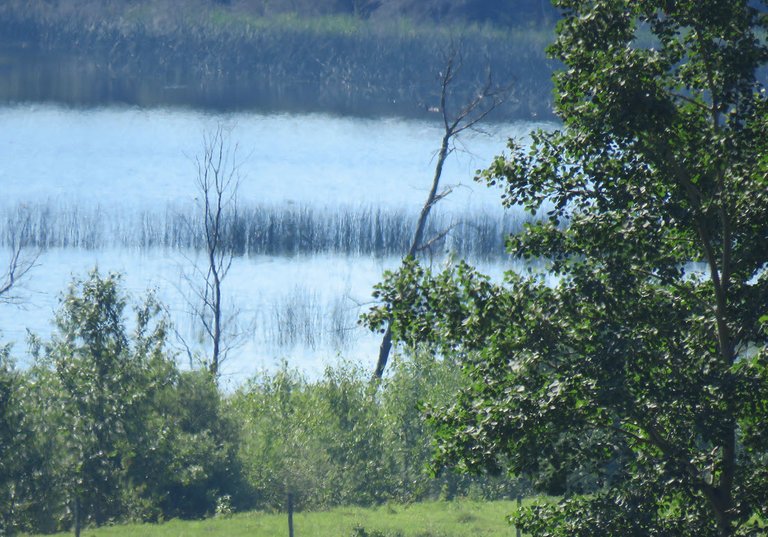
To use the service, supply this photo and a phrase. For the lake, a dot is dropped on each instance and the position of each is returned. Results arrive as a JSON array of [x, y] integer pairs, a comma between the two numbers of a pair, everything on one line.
[[99, 178]]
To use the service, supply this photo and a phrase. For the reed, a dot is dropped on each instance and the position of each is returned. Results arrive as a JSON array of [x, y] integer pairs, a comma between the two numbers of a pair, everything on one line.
[[260, 229], [223, 59]]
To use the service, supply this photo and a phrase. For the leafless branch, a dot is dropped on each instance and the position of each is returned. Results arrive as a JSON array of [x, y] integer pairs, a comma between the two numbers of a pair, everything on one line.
[[20, 262], [217, 183]]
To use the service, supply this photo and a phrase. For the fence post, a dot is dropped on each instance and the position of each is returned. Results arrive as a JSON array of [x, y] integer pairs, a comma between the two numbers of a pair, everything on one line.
[[290, 514], [77, 516]]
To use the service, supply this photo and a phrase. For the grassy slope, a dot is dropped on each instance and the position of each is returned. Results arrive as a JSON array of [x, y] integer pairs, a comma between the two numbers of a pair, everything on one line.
[[428, 519]]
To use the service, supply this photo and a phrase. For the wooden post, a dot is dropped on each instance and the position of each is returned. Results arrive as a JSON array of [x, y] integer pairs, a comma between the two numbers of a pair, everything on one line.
[[518, 533], [77, 516], [290, 514]]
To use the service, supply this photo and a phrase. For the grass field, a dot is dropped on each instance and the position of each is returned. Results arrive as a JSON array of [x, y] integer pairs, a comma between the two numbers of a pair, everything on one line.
[[428, 519]]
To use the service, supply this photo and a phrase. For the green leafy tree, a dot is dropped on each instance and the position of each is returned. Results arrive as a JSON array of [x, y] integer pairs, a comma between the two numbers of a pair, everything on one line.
[[349, 427], [103, 427], [102, 382], [278, 447], [26, 470], [639, 358], [32, 498], [201, 441], [320, 441], [12, 433], [418, 380]]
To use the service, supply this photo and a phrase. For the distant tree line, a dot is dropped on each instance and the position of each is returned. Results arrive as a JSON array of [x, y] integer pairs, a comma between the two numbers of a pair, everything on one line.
[[497, 12]]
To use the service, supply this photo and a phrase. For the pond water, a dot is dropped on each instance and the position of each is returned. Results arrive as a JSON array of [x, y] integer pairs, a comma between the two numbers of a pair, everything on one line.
[[125, 160]]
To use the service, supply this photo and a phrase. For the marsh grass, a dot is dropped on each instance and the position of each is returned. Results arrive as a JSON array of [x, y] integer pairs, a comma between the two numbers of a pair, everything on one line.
[[277, 230], [220, 58], [425, 519]]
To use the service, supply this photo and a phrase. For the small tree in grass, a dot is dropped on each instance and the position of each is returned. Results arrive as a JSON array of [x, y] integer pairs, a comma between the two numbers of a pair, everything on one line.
[[645, 363]]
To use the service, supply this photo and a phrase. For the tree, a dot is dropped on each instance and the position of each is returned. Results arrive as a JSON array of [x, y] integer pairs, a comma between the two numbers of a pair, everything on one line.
[[641, 357], [12, 437], [103, 381], [20, 261], [102, 427], [486, 100], [217, 184]]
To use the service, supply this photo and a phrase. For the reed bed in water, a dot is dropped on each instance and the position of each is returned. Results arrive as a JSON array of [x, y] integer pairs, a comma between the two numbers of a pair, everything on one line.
[[303, 318], [260, 229], [222, 59], [297, 317]]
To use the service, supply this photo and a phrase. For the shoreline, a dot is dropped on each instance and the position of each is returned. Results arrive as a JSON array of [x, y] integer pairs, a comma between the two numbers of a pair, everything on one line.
[[321, 65]]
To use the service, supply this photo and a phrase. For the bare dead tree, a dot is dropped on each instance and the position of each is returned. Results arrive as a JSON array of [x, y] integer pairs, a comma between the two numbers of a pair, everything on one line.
[[217, 183], [468, 117], [21, 261]]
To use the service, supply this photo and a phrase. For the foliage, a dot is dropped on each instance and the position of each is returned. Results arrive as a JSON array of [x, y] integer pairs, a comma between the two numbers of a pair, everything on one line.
[[416, 382], [103, 382], [202, 473], [336, 441], [319, 441], [103, 427], [13, 436], [640, 362]]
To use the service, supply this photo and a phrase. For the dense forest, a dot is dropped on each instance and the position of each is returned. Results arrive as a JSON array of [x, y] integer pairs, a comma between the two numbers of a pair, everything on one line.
[[365, 58]]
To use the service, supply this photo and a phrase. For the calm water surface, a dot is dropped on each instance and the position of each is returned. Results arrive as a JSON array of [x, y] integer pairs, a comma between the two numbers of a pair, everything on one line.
[[133, 159]]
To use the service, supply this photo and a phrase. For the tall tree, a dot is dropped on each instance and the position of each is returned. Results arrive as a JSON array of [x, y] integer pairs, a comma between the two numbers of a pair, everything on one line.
[[217, 182], [467, 117], [645, 345]]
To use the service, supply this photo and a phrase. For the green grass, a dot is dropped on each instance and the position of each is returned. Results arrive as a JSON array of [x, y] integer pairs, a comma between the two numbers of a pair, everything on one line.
[[427, 519]]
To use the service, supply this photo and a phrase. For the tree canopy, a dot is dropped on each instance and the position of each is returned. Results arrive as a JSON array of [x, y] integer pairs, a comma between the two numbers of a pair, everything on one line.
[[636, 361]]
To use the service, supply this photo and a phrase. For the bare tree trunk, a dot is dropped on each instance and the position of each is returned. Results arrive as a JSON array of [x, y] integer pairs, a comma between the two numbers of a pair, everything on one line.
[[76, 514], [217, 184], [384, 349], [467, 118], [290, 514], [216, 313], [386, 343]]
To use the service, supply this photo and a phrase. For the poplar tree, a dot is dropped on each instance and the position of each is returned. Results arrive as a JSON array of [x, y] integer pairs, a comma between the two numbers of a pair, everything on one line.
[[638, 357]]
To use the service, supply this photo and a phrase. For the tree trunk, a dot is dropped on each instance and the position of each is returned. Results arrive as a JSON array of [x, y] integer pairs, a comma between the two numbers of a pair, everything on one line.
[[466, 118], [386, 343]]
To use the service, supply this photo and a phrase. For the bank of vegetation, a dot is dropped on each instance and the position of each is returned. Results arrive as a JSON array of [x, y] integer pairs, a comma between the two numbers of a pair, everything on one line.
[[103, 427], [234, 55]]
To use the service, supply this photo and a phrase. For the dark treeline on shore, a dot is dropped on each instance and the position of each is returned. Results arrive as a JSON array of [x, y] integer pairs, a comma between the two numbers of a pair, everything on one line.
[[356, 57], [257, 229]]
